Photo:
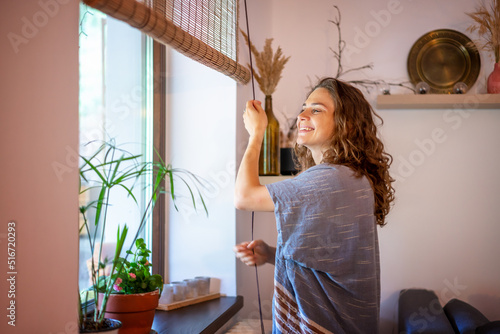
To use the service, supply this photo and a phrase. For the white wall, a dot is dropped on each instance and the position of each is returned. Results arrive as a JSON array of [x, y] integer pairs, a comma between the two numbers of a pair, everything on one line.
[[442, 232], [39, 169], [201, 133]]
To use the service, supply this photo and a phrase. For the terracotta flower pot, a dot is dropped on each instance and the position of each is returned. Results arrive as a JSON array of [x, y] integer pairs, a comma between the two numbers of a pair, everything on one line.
[[136, 312]]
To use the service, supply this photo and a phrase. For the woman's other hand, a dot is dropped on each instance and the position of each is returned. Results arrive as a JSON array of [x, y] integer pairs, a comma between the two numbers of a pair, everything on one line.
[[255, 252]]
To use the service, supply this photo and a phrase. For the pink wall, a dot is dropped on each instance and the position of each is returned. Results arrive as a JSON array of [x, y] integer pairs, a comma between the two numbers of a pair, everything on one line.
[[39, 171]]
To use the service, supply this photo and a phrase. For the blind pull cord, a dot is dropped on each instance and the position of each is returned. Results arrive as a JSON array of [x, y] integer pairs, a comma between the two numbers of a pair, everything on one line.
[[253, 95], [258, 289]]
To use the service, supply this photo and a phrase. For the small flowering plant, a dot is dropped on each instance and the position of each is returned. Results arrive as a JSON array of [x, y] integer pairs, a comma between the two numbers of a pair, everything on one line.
[[134, 276]]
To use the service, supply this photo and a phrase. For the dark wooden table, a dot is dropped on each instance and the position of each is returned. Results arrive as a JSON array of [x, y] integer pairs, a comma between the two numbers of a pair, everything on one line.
[[206, 317]]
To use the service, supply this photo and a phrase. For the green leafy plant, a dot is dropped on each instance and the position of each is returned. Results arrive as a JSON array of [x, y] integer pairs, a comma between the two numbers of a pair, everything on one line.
[[135, 277], [107, 171]]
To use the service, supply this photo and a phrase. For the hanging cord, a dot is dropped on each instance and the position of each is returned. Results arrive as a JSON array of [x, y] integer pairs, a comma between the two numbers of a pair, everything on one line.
[[250, 52], [253, 95], [258, 289]]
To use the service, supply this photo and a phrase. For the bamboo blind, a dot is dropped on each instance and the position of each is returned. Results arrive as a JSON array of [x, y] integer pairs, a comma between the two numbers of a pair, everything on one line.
[[204, 30]]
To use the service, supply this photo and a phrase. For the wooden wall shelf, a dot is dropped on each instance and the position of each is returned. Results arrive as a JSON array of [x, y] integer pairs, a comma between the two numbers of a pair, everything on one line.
[[439, 101]]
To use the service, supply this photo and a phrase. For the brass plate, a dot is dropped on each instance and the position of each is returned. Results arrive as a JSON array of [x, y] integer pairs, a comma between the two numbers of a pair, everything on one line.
[[442, 58]]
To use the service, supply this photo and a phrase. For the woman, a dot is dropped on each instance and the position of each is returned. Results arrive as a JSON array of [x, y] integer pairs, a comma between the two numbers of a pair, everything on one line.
[[327, 277]]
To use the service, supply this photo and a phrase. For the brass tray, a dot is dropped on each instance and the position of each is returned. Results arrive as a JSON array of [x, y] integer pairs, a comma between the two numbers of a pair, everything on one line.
[[442, 58]]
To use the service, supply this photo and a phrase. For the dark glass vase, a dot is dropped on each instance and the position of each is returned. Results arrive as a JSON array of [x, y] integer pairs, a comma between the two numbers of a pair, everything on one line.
[[287, 164], [269, 162]]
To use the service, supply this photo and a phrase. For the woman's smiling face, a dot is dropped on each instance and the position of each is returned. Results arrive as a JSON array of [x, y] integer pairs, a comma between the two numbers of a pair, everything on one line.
[[315, 124]]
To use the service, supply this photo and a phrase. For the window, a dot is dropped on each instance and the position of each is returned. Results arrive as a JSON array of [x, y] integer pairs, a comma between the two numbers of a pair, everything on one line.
[[115, 103]]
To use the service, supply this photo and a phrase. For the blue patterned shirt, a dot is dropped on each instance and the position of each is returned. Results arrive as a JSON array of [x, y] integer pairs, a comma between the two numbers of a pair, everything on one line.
[[327, 276]]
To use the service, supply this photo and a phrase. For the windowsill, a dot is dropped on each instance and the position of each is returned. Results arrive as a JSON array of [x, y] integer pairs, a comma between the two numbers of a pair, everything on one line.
[[203, 318], [439, 101]]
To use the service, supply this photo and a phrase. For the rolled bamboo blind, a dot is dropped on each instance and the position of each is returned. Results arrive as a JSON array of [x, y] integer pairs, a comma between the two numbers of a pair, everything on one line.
[[204, 30]]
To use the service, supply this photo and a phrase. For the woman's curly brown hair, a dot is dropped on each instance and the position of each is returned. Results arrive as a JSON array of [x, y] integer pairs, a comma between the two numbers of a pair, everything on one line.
[[355, 143]]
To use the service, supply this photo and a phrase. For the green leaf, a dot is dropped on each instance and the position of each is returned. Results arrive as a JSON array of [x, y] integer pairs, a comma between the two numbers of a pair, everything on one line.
[[144, 253], [139, 243], [100, 202]]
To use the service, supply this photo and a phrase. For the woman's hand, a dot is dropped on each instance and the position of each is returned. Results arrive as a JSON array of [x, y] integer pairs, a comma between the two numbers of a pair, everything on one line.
[[255, 252], [249, 194], [255, 118]]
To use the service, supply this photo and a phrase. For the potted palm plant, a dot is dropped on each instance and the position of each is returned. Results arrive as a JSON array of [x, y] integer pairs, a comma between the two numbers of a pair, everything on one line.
[[107, 171]]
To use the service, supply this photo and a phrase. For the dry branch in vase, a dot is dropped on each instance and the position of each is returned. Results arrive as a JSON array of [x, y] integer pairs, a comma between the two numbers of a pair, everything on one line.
[[269, 64], [487, 24]]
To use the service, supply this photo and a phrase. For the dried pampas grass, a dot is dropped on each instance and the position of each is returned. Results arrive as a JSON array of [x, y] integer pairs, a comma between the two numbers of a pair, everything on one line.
[[487, 24], [269, 64]]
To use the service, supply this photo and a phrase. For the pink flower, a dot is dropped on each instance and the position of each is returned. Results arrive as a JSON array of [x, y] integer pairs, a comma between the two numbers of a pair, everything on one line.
[[147, 263], [132, 275], [117, 286]]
